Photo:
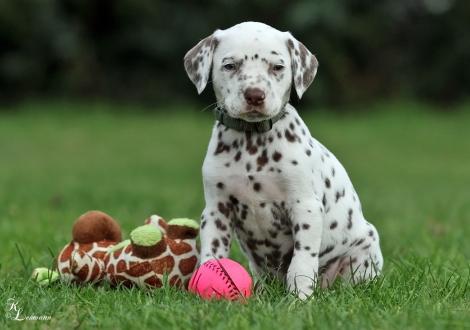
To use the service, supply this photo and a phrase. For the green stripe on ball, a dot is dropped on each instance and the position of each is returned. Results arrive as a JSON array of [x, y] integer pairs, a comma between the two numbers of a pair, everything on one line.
[[147, 235]]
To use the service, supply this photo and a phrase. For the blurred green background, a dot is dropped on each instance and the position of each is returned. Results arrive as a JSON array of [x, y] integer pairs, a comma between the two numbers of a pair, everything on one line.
[[132, 50], [96, 112]]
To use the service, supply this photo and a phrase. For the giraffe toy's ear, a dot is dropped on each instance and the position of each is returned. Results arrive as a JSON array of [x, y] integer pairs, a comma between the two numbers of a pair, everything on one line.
[[158, 222], [182, 228]]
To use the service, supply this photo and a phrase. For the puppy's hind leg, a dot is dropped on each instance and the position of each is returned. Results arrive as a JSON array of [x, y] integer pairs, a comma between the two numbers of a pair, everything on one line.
[[363, 264]]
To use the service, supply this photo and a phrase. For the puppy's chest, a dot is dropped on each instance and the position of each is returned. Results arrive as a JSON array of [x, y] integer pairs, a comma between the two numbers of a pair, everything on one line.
[[253, 175], [255, 167], [259, 168], [262, 223], [270, 153]]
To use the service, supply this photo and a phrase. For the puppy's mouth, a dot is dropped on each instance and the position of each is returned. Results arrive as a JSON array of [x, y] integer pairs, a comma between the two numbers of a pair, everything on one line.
[[254, 114]]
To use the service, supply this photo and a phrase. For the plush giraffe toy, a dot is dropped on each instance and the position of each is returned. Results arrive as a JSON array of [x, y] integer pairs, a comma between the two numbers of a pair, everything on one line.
[[155, 251]]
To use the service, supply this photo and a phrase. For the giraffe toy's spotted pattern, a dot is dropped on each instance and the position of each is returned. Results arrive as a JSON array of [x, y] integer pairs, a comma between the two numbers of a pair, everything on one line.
[[82, 262], [170, 252]]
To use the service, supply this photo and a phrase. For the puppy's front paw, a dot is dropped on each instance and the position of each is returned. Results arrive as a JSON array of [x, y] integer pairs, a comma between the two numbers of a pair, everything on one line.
[[301, 285]]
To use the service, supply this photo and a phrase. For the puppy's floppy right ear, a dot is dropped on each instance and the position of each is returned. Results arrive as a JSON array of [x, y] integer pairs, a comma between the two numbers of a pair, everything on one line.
[[198, 62]]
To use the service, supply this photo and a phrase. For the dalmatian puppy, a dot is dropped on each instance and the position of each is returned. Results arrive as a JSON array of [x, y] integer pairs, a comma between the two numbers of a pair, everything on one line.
[[287, 199]]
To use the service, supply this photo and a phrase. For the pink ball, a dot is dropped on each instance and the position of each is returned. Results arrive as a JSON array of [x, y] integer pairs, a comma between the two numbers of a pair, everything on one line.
[[221, 278]]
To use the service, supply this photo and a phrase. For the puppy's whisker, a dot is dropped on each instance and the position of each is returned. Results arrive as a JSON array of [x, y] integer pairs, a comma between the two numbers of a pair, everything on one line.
[[209, 106]]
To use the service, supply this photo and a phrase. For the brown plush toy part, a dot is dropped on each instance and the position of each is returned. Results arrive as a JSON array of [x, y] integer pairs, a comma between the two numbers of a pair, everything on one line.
[[82, 260], [156, 251]]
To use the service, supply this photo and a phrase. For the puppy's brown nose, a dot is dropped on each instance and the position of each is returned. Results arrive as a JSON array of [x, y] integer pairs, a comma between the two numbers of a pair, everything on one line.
[[254, 96]]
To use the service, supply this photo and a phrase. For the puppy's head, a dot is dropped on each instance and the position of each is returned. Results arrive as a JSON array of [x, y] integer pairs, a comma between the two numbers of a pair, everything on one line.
[[253, 68]]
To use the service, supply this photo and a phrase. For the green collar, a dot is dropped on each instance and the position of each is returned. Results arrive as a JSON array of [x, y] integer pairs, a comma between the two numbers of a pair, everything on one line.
[[246, 126]]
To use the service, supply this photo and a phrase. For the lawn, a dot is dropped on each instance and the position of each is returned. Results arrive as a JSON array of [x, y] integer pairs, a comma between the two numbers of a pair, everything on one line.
[[409, 163]]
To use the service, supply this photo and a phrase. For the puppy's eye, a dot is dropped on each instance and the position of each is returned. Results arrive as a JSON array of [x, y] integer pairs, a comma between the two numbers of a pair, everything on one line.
[[278, 67], [229, 67]]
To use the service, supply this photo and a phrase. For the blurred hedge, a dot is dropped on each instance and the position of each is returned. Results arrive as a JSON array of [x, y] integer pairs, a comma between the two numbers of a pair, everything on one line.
[[133, 49]]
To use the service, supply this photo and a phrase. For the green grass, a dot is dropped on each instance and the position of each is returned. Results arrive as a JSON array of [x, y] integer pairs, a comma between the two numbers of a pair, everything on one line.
[[410, 166]]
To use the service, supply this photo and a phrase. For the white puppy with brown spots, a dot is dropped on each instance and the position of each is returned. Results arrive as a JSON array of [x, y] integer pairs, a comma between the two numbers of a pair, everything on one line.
[[286, 197]]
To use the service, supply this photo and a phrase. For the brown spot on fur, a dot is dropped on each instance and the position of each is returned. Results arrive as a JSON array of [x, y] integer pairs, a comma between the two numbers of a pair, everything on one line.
[[262, 160], [327, 183], [289, 136], [277, 156], [290, 45], [350, 212], [253, 150], [327, 250], [220, 225], [221, 147], [223, 209]]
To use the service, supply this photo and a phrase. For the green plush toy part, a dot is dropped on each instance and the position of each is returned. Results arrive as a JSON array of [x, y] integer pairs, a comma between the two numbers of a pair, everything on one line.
[[119, 246], [44, 276], [184, 222], [147, 235]]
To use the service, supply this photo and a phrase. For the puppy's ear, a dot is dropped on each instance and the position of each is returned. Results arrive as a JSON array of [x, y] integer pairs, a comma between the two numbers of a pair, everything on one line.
[[304, 64], [198, 62]]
